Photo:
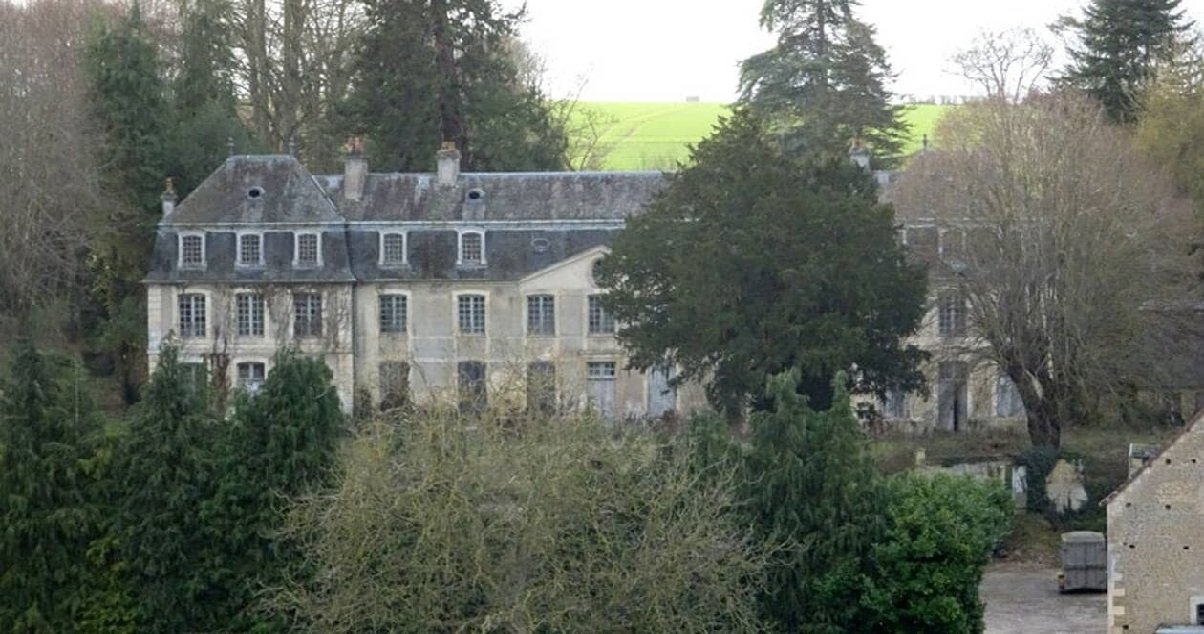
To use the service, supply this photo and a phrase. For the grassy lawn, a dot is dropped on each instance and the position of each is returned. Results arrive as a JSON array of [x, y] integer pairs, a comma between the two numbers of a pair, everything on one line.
[[640, 136]]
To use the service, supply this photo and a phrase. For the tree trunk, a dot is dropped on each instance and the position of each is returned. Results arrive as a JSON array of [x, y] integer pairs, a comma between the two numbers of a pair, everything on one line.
[[451, 110]]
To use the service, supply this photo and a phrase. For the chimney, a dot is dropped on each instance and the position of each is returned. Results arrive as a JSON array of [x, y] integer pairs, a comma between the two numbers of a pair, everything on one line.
[[169, 197], [355, 169], [448, 159], [860, 154]]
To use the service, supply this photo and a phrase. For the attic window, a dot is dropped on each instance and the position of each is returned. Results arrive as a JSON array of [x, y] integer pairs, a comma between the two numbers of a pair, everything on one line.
[[476, 194], [255, 193], [540, 245]]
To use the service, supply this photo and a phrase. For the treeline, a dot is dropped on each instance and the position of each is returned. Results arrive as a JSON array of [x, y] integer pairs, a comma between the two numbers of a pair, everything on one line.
[[101, 103], [281, 515]]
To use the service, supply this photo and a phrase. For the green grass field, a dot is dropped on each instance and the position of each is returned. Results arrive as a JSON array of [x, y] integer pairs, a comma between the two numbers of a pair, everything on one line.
[[640, 136]]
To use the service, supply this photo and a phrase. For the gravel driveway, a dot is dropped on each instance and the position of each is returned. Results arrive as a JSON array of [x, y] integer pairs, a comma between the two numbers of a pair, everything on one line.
[[1025, 599]]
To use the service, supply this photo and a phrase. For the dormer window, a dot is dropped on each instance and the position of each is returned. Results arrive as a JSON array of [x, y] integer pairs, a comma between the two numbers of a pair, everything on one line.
[[192, 250], [308, 251], [472, 248], [393, 249], [250, 249]]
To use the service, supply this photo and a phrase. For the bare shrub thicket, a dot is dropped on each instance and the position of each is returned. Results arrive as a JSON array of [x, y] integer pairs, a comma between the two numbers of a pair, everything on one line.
[[49, 172], [441, 523], [1075, 251]]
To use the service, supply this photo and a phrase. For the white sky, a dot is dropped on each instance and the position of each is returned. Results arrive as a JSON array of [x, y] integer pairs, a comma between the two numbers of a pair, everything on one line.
[[665, 50]]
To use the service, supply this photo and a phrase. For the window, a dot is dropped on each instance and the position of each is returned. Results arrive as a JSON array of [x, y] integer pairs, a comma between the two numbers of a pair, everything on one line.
[[307, 250], [195, 375], [541, 387], [393, 249], [1007, 397], [601, 322], [472, 248], [541, 315], [250, 249], [307, 315], [951, 314], [952, 395], [250, 314], [473, 397], [601, 369], [472, 314], [394, 384], [192, 315], [393, 313], [894, 405], [251, 376], [192, 250]]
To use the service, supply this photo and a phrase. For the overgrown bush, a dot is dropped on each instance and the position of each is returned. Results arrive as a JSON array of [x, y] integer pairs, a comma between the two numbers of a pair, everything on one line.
[[942, 529], [440, 523]]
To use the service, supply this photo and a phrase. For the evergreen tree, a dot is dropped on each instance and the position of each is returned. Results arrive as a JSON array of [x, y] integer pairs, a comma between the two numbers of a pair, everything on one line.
[[750, 263], [280, 444], [823, 84], [129, 105], [163, 476], [428, 72], [811, 484], [204, 120], [47, 510], [1120, 44]]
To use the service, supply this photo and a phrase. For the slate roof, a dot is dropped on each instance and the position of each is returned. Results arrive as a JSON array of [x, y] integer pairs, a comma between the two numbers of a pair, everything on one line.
[[502, 196], [256, 190]]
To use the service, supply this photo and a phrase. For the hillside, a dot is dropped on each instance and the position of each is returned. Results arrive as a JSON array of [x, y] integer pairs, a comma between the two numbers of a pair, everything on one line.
[[635, 136]]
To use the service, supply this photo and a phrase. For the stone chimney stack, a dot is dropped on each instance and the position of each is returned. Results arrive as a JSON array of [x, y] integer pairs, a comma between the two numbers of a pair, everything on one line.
[[448, 159], [169, 198], [355, 169], [860, 154]]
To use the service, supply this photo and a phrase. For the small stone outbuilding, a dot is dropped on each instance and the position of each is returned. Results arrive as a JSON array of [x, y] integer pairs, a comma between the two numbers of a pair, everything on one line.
[[1156, 540]]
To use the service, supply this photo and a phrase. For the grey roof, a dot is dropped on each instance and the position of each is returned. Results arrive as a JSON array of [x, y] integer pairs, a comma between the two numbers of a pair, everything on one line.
[[288, 193], [503, 196]]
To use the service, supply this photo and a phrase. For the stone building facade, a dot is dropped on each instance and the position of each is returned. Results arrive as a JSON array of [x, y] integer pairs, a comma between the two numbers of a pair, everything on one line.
[[445, 286], [465, 286], [1156, 540]]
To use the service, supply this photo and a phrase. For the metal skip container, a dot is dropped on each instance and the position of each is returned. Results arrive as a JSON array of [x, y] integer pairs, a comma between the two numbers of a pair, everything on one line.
[[1084, 562]]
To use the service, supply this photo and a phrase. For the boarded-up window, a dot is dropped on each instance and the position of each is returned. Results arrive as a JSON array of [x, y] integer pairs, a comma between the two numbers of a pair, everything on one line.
[[394, 384], [541, 387], [473, 396], [601, 379], [952, 396], [1007, 398]]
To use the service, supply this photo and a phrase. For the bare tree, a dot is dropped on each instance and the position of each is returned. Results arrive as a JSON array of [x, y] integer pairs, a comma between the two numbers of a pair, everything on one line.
[[50, 186], [1073, 246], [1006, 64]]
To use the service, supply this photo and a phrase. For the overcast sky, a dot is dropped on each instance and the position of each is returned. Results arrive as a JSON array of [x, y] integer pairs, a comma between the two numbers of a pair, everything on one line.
[[666, 50]]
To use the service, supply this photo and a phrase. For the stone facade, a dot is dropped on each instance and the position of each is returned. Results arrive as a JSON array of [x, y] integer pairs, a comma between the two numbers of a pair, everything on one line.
[[383, 260], [432, 287], [1156, 540]]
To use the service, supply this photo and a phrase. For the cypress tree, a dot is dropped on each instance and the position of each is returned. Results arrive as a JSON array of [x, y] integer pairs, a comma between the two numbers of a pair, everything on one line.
[[48, 514], [163, 476], [811, 484], [823, 84], [1121, 42], [446, 70]]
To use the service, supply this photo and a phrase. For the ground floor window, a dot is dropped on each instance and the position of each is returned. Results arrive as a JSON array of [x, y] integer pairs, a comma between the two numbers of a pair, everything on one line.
[[601, 379], [471, 378], [251, 375], [541, 387], [394, 384]]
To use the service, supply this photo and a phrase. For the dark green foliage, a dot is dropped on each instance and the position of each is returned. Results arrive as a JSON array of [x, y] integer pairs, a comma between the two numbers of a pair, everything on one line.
[[280, 444], [1038, 462], [446, 71], [48, 509], [811, 484], [928, 566], [824, 83], [162, 477], [1121, 42], [750, 263]]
